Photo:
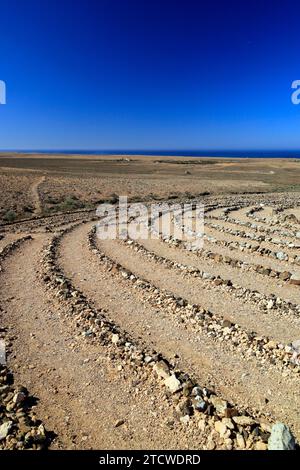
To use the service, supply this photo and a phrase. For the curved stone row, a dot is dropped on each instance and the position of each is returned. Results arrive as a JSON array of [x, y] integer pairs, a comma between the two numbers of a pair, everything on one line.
[[187, 396], [264, 302], [19, 427], [252, 236], [36, 222], [248, 344], [8, 249], [251, 248], [285, 220], [285, 276], [255, 227]]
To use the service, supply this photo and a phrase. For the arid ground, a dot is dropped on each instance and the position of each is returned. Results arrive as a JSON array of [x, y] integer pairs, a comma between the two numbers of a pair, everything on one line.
[[127, 344]]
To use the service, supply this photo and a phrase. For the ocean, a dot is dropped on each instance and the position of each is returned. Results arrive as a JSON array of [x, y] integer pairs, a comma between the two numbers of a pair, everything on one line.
[[174, 153]]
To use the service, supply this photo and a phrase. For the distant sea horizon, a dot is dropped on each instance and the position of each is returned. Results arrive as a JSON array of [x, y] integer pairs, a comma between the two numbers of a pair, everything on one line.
[[172, 153]]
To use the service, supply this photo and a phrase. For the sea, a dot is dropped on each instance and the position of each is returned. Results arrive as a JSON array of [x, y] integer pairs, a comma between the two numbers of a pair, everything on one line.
[[174, 153]]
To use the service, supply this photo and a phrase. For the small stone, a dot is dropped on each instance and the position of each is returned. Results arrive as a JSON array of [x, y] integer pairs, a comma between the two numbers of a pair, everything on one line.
[[285, 275], [202, 425], [221, 428], [196, 391], [220, 405], [40, 434], [185, 419], [4, 429], [228, 443], [243, 420], [228, 423], [114, 338], [240, 441], [271, 345], [270, 304], [281, 438], [162, 369], [281, 256], [119, 422], [173, 384], [210, 445], [184, 408], [199, 404]]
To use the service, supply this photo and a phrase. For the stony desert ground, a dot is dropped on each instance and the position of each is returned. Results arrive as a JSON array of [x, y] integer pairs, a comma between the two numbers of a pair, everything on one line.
[[132, 344]]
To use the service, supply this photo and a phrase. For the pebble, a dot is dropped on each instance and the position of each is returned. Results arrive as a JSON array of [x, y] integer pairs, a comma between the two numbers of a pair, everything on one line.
[[114, 338], [221, 428], [228, 423], [243, 420], [119, 422], [220, 405], [281, 256], [202, 425], [173, 384], [162, 369], [184, 419], [4, 429], [210, 445], [240, 441]]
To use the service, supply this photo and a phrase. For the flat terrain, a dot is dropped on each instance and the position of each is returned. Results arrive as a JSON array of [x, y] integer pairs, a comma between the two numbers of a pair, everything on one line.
[[68, 182], [147, 344]]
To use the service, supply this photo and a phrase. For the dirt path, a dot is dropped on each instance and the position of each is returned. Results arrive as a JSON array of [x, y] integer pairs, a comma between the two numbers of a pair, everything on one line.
[[213, 364], [34, 190]]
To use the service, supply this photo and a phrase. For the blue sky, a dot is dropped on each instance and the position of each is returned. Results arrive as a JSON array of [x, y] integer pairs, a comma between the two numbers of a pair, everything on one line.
[[125, 74]]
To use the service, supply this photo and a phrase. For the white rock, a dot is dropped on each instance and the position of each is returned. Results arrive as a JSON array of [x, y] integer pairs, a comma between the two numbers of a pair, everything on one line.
[[4, 429], [281, 438], [173, 384], [184, 419], [114, 338]]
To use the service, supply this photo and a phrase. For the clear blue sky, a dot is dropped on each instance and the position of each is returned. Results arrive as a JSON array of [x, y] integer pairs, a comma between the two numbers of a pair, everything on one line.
[[146, 74]]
